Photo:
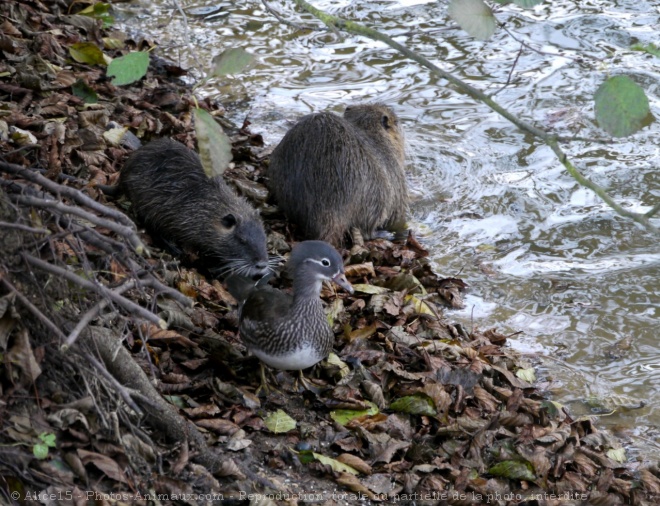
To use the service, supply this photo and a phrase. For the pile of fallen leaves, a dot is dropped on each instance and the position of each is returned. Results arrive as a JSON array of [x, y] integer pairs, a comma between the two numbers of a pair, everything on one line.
[[410, 408]]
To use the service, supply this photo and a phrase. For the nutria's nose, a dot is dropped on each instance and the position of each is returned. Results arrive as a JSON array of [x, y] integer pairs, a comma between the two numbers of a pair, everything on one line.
[[261, 266], [260, 270]]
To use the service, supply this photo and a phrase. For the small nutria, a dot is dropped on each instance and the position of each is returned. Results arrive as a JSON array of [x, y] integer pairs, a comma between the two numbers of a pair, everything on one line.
[[176, 201], [330, 174]]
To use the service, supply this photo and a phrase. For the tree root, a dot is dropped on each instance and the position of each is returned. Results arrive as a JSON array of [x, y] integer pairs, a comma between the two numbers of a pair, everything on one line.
[[161, 415]]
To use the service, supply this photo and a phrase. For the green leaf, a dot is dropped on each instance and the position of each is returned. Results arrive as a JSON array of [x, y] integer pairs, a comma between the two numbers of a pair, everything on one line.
[[553, 408], [40, 451], [308, 456], [621, 106], [648, 48], [87, 52], [513, 470], [177, 400], [129, 68], [333, 362], [213, 143], [343, 416], [279, 422], [415, 405], [112, 43], [99, 11], [231, 61], [47, 438], [618, 455], [526, 4], [420, 306], [473, 16], [371, 289], [527, 375], [82, 90]]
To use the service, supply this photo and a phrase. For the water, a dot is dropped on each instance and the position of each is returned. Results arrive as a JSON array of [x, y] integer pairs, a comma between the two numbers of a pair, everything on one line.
[[495, 207]]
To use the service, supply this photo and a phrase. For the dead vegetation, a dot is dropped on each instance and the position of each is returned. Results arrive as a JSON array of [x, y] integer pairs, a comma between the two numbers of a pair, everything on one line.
[[122, 375]]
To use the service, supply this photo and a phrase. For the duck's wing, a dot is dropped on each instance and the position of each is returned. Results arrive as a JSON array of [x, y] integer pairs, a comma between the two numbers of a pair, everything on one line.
[[241, 286], [266, 304]]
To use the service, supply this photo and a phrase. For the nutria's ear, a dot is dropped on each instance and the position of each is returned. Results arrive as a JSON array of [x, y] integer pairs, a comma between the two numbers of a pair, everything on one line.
[[228, 220], [385, 121]]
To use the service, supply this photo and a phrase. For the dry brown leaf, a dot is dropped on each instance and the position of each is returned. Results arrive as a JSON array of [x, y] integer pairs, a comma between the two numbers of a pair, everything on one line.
[[108, 466], [206, 410], [22, 358], [360, 270], [218, 425], [363, 333], [352, 482], [154, 333], [355, 462], [486, 400], [229, 468]]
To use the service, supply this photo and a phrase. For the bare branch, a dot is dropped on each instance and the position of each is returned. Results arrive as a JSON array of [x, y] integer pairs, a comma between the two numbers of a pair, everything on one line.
[[31, 307], [93, 313], [24, 228], [127, 232], [66, 191], [285, 21], [128, 305], [653, 211]]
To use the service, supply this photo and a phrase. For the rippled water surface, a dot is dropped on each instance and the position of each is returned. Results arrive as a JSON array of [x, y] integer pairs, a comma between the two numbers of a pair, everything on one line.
[[542, 255]]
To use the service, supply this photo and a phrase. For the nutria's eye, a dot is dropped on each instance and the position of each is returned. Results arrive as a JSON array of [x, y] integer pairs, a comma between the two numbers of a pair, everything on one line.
[[385, 120], [228, 220], [325, 262]]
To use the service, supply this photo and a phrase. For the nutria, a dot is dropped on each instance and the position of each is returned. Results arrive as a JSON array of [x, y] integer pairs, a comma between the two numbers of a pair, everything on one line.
[[330, 174], [178, 203]]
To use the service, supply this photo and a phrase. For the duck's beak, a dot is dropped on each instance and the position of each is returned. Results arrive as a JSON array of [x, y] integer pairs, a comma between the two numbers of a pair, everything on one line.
[[341, 280]]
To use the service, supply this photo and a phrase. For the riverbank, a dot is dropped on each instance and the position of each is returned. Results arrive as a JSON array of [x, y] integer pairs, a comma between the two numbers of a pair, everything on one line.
[[415, 408]]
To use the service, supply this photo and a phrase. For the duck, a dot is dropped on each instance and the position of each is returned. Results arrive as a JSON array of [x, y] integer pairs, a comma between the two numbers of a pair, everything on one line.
[[284, 331]]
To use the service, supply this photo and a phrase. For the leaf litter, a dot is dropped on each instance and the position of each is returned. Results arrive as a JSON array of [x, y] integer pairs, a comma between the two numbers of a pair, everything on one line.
[[411, 408]]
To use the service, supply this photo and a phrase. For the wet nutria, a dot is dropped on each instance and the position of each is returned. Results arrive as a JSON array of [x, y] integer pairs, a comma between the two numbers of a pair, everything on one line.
[[330, 174], [176, 201]]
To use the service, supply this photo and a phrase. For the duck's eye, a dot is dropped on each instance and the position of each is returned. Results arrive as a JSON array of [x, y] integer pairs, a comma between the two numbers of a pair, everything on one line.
[[325, 262]]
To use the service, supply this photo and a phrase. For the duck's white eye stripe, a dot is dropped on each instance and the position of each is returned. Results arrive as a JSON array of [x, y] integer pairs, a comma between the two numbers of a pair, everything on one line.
[[324, 261]]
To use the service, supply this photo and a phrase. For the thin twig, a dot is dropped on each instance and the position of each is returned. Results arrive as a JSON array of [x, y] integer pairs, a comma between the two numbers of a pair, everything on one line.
[[284, 21], [24, 228], [513, 67], [186, 37], [102, 290], [118, 387], [127, 232], [538, 51], [66, 191], [93, 313], [652, 212], [598, 190], [31, 307], [161, 288]]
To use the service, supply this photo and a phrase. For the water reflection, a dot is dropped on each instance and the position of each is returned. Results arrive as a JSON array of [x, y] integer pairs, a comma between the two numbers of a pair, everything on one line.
[[542, 255]]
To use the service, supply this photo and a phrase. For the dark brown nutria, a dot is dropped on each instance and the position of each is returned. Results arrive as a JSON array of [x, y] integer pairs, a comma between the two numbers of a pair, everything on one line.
[[176, 201], [330, 174]]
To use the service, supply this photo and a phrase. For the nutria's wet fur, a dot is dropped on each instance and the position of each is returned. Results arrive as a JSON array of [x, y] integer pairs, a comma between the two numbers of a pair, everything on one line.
[[177, 202], [330, 174]]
